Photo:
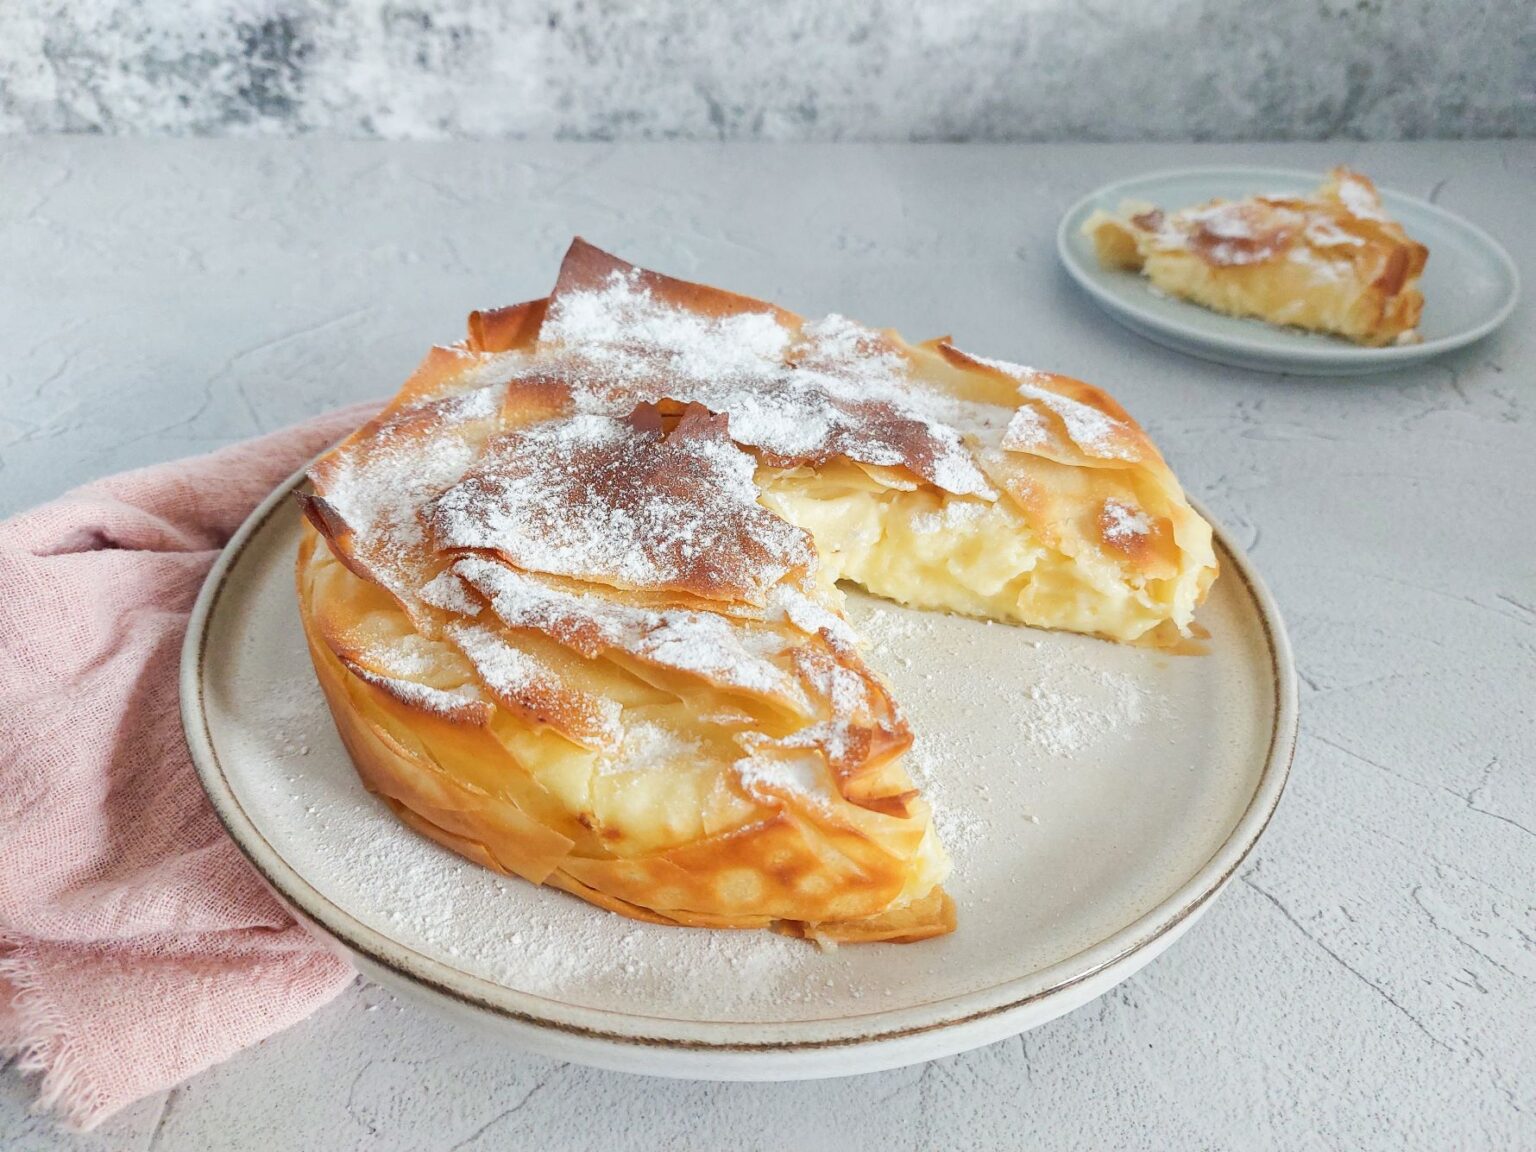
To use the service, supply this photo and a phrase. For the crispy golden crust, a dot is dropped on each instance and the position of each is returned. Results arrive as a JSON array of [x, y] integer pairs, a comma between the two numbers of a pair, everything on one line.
[[506, 329], [1331, 262], [587, 268], [569, 626], [780, 871], [735, 554]]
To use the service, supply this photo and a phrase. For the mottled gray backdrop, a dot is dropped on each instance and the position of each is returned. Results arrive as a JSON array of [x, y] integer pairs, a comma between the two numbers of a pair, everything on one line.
[[742, 69]]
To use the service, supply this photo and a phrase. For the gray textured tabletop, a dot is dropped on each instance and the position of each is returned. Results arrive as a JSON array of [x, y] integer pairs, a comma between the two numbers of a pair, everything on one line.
[[1371, 980]]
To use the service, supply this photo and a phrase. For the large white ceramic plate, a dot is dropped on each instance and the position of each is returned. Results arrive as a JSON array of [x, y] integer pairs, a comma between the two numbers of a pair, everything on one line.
[[1470, 284], [1095, 798]]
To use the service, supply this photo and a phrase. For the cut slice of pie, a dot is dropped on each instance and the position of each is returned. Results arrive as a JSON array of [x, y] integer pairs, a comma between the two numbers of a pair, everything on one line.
[[1331, 262], [572, 596]]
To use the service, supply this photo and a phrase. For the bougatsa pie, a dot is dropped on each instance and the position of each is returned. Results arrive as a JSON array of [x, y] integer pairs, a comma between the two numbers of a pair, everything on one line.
[[1331, 262], [572, 595]]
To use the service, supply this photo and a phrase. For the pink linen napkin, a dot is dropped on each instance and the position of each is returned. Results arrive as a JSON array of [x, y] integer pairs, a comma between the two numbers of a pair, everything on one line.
[[137, 946]]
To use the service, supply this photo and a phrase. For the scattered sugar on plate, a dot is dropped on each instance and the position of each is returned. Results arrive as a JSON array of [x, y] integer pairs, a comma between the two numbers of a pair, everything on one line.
[[1056, 709], [1055, 712]]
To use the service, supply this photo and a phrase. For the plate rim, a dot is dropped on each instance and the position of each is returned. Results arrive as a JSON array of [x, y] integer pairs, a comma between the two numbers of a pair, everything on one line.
[[342, 929], [1341, 357]]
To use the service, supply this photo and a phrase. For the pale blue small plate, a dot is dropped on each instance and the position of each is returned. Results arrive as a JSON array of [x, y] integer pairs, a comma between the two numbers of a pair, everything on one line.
[[1470, 284]]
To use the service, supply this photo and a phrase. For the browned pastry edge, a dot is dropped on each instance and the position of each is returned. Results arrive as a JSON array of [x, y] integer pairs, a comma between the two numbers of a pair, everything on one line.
[[494, 832]]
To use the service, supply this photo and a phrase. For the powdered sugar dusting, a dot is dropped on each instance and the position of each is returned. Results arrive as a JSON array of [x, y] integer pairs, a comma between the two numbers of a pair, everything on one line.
[[1322, 265], [1122, 523], [701, 643], [649, 747], [769, 775], [508, 671], [597, 498], [810, 617], [845, 689], [522, 679], [716, 649], [438, 701], [404, 656], [1358, 196], [378, 491], [1069, 711], [623, 329], [1026, 431], [1326, 234], [585, 622], [1091, 430], [1233, 234], [1220, 221], [835, 389], [1264, 228], [1053, 711], [447, 591]]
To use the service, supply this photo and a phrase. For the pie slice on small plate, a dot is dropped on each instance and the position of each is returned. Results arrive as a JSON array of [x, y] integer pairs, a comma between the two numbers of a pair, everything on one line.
[[1286, 271]]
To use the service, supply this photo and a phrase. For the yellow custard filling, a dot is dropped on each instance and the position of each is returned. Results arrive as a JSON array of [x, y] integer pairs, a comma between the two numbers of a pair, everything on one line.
[[962, 554]]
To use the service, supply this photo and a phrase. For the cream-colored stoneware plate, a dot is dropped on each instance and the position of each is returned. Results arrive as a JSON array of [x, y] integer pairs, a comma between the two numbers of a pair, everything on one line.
[[1470, 284], [1095, 798]]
